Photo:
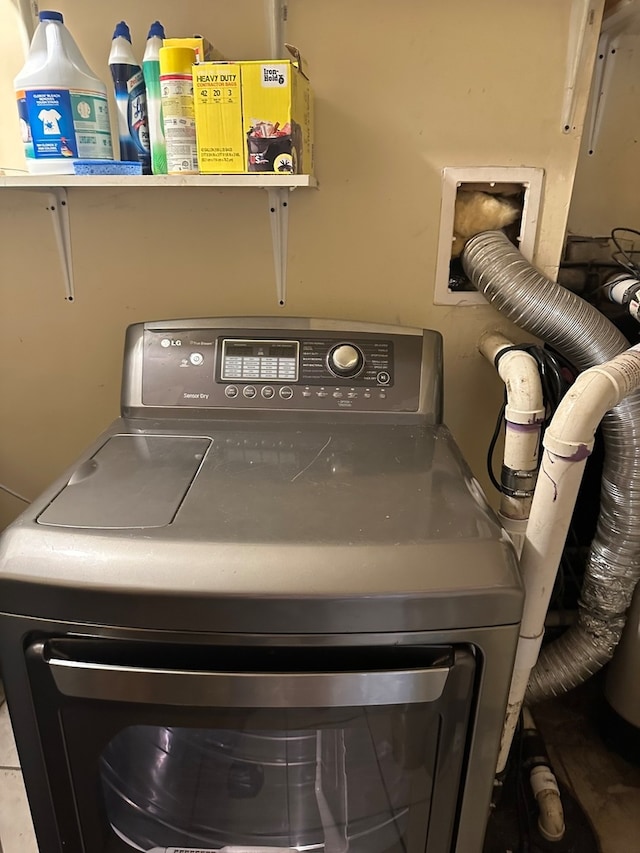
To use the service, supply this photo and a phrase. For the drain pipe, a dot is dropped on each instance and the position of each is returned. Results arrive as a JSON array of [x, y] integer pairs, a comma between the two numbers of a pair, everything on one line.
[[624, 289], [542, 780], [585, 337], [524, 416], [568, 442]]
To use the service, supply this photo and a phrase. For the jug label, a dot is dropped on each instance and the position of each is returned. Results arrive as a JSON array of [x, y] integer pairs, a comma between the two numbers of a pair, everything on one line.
[[64, 123], [91, 123]]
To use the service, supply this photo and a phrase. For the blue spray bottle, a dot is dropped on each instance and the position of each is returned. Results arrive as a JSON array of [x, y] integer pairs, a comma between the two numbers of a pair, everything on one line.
[[131, 99]]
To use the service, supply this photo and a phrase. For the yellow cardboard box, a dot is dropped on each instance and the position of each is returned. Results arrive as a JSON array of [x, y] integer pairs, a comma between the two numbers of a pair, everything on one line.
[[277, 116], [218, 110], [205, 51]]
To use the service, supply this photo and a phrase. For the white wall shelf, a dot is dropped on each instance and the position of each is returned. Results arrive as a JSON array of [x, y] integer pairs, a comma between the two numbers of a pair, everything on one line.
[[258, 181], [54, 188]]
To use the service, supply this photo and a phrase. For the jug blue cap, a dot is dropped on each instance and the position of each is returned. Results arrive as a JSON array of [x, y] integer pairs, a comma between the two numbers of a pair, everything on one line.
[[51, 16], [156, 29], [122, 30]]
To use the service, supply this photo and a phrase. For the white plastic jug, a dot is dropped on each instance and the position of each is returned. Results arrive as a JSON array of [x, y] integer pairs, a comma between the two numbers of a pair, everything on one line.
[[62, 105]]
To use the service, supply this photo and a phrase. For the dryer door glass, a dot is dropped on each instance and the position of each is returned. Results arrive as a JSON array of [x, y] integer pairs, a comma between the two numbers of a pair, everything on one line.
[[356, 779], [194, 749]]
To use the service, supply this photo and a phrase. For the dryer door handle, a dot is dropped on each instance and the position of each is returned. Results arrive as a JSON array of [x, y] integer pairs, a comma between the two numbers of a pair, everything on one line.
[[146, 685]]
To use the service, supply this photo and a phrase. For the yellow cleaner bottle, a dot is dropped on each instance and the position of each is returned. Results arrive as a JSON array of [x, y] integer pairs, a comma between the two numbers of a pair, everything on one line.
[[62, 105], [151, 71], [178, 115]]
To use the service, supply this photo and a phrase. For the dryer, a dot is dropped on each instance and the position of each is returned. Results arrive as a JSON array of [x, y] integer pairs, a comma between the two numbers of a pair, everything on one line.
[[269, 609]]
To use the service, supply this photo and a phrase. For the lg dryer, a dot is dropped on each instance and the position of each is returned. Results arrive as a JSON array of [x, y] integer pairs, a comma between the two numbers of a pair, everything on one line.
[[268, 610]]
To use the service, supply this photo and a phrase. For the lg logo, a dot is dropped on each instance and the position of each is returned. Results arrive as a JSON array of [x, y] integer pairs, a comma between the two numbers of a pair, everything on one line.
[[167, 342]]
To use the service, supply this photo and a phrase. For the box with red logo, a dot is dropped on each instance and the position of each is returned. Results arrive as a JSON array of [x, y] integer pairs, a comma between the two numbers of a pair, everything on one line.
[[277, 116]]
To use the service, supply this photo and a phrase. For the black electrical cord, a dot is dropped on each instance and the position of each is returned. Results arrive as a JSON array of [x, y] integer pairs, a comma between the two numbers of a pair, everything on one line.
[[622, 256], [492, 447], [522, 805]]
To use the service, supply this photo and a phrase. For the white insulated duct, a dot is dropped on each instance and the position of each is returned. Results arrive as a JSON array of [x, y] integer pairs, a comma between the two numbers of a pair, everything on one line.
[[586, 338]]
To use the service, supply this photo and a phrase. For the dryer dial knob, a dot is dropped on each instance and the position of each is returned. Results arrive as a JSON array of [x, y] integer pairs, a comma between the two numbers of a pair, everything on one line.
[[345, 360]]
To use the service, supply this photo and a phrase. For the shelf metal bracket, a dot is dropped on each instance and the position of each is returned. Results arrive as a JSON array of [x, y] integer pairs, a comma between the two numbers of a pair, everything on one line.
[[28, 14], [583, 16], [622, 18], [279, 219], [276, 17], [58, 207], [605, 62]]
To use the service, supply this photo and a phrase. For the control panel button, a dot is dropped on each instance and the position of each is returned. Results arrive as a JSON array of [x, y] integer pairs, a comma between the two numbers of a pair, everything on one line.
[[268, 392], [196, 358], [249, 392], [231, 391], [337, 394], [345, 360], [322, 394], [383, 377], [286, 392]]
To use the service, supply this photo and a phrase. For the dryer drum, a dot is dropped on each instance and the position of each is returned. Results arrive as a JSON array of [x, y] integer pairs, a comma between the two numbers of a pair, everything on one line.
[[326, 789]]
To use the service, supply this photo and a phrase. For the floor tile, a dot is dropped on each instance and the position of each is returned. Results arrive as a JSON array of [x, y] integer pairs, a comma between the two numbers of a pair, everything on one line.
[[16, 829], [8, 754]]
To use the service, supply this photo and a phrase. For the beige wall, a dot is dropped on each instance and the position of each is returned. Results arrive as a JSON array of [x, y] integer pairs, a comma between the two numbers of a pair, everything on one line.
[[606, 191], [402, 90]]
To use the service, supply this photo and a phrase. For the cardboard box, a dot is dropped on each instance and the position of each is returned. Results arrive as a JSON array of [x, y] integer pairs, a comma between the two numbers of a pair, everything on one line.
[[277, 116], [218, 110], [205, 52]]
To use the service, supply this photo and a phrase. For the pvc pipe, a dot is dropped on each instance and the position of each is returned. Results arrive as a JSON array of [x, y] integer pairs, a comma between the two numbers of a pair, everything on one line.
[[515, 527], [586, 338], [28, 16], [550, 811], [624, 289], [524, 415], [543, 782], [568, 442], [276, 17]]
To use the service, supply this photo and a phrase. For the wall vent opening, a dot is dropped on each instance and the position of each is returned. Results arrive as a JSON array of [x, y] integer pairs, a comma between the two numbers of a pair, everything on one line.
[[519, 189]]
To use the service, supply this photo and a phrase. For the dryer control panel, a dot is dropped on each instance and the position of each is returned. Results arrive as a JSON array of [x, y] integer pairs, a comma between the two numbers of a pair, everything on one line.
[[279, 369]]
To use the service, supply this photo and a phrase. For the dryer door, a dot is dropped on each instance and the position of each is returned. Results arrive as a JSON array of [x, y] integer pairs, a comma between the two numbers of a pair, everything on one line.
[[261, 750]]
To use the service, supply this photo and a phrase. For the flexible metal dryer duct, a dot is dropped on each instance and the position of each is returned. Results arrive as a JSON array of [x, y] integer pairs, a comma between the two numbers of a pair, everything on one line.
[[585, 337]]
